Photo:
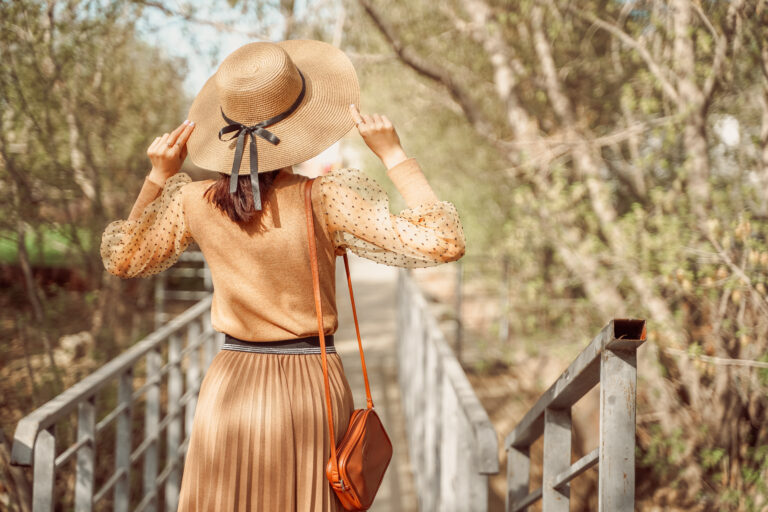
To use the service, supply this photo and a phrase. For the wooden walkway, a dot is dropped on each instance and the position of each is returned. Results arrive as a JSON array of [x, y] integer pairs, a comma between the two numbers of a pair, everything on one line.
[[374, 286]]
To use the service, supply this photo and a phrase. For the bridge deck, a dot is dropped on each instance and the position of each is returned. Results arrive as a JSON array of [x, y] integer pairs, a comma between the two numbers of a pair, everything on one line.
[[374, 287]]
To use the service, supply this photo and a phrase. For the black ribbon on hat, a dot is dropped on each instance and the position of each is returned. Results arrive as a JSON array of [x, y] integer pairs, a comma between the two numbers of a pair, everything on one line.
[[242, 131]]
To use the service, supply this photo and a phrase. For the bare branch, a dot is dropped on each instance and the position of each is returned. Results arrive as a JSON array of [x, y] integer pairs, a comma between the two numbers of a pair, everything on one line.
[[429, 70], [653, 66], [188, 16]]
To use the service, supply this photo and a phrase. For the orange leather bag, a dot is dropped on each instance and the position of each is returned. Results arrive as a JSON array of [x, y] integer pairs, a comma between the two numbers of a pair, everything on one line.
[[358, 463]]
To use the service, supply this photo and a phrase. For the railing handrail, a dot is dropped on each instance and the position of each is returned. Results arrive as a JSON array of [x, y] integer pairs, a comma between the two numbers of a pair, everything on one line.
[[580, 376], [453, 444], [485, 434], [66, 402], [610, 360]]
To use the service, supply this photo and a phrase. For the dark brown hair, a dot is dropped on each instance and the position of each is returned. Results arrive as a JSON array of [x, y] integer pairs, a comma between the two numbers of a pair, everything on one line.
[[239, 206]]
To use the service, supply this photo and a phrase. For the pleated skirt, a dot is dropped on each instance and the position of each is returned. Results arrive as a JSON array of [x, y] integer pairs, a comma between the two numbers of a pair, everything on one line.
[[259, 439]]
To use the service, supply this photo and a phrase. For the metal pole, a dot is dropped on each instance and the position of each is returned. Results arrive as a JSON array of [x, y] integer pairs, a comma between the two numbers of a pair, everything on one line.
[[123, 442], [159, 300], [459, 292], [618, 382], [151, 427], [518, 475], [86, 432], [44, 471], [557, 458], [173, 431]]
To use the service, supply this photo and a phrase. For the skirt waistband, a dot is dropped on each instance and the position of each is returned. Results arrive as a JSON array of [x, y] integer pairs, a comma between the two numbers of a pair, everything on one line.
[[306, 345]]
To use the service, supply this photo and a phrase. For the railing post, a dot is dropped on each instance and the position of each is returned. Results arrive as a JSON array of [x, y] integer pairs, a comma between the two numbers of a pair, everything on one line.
[[86, 431], [449, 478], [557, 458], [151, 427], [518, 475], [173, 431], [618, 382], [459, 298], [193, 375], [123, 442], [433, 423], [160, 280], [44, 471]]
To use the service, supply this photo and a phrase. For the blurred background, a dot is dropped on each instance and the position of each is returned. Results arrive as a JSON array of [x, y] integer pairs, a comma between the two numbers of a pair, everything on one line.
[[608, 159]]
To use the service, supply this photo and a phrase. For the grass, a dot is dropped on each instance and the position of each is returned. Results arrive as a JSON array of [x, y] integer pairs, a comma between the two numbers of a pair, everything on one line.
[[56, 251]]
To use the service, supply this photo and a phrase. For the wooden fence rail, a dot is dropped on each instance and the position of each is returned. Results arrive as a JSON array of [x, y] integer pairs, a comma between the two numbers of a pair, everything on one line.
[[452, 444], [611, 361], [174, 359]]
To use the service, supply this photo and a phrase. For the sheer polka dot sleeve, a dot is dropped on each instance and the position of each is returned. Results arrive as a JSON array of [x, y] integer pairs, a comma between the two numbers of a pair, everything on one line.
[[154, 240], [356, 211]]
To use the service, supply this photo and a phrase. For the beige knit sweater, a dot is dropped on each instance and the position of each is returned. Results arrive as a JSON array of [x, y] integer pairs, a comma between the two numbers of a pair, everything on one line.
[[262, 280]]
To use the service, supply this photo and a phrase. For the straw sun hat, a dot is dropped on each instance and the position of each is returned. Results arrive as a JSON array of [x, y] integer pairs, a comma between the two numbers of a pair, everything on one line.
[[271, 105]]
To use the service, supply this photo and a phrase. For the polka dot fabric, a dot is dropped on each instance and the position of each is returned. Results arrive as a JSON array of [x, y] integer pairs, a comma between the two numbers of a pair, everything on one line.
[[356, 211], [153, 242]]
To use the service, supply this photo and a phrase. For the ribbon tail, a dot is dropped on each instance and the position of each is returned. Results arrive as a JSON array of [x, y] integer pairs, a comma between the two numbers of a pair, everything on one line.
[[255, 175], [236, 162]]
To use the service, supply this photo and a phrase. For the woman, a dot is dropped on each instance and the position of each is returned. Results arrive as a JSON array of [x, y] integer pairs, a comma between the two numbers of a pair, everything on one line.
[[259, 439]]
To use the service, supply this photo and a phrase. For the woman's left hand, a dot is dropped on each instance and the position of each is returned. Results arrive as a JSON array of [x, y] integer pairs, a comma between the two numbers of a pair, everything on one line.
[[168, 152]]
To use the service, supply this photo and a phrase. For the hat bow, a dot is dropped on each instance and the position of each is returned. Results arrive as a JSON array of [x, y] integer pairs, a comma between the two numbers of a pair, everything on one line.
[[241, 131]]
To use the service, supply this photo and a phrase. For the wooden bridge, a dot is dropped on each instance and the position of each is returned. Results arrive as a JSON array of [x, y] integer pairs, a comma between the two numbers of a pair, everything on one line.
[[445, 446]]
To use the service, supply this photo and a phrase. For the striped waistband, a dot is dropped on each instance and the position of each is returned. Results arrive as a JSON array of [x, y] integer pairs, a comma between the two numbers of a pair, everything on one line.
[[307, 345]]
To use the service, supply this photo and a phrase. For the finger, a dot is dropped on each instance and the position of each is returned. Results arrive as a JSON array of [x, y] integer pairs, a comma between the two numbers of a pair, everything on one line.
[[164, 140], [175, 133], [377, 121], [355, 114], [367, 119], [386, 121], [152, 147], [184, 135]]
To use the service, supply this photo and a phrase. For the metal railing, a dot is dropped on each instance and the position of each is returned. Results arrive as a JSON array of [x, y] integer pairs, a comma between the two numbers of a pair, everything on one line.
[[611, 361], [452, 444], [164, 370], [192, 266]]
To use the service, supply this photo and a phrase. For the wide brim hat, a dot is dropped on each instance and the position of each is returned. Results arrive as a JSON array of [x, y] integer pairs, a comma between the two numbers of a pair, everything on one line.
[[260, 81]]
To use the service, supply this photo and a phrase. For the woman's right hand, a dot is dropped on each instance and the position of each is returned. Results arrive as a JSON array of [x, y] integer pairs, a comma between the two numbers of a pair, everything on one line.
[[379, 134], [168, 152]]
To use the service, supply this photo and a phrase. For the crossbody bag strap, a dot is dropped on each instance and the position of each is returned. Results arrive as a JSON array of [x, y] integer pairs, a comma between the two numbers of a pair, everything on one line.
[[357, 330], [318, 308], [319, 311]]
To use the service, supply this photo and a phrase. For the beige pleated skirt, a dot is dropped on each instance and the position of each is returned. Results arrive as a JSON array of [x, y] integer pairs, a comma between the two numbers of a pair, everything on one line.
[[259, 439]]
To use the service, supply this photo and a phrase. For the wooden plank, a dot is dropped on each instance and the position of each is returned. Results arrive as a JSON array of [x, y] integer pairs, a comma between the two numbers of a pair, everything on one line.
[[557, 458], [576, 468], [64, 403], [518, 477], [618, 381], [86, 426]]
